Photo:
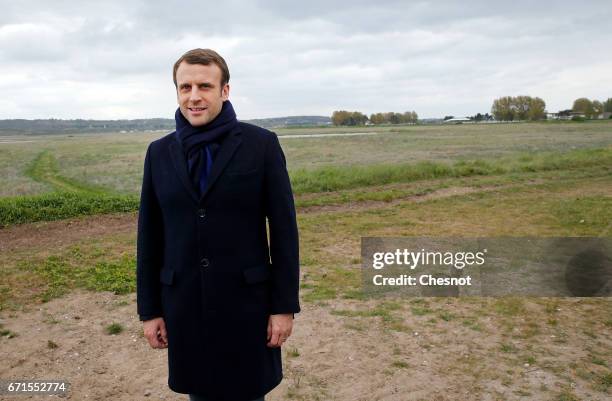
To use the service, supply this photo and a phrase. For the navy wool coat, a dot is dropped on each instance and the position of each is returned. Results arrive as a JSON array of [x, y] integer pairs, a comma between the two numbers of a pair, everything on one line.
[[204, 263]]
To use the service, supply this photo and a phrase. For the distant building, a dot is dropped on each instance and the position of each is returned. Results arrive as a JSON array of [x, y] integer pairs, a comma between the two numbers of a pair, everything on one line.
[[568, 114], [457, 120], [561, 115], [605, 115]]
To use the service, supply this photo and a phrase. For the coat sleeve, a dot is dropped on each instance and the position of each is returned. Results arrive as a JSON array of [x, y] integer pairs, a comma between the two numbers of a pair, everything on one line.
[[149, 254], [284, 244]]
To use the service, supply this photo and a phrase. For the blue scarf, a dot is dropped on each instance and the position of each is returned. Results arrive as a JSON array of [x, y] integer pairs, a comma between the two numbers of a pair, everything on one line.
[[201, 144]]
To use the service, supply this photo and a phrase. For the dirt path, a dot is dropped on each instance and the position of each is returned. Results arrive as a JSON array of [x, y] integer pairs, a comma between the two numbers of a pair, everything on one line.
[[53, 234], [329, 356]]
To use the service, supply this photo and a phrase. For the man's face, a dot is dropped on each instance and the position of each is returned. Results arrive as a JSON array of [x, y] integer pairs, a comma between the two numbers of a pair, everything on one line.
[[199, 92]]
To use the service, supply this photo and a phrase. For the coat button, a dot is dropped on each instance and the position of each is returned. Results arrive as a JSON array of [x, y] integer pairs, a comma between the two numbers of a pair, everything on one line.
[[204, 263], [202, 212]]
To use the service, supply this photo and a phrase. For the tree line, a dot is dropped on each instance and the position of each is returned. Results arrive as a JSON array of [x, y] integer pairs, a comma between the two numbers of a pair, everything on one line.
[[343, 117], [514, 108], [592, 108]]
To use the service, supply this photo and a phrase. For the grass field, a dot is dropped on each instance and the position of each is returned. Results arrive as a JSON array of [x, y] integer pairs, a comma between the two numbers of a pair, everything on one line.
[[114, 161], [471, 180]]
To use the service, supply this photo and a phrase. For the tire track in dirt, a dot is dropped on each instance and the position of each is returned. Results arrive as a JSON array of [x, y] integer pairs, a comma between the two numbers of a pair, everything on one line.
[[44, 169], [418, 198]]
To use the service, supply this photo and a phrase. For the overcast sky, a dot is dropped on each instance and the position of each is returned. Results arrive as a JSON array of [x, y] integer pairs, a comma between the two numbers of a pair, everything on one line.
[[113, 59]]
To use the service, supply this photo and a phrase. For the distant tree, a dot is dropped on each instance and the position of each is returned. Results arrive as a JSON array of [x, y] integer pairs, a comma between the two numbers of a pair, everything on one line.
[[394, 118], [448, 117], [409, 117], [597, 108], [583, 105], [509, 108], [377, 118], [537, 109], [343, 117], [607, 105], [339, 117], [358, 118], [503, 109], [521, 107]]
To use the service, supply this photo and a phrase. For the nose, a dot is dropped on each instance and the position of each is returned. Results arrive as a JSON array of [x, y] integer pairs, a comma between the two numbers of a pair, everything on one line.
[[194, 95]]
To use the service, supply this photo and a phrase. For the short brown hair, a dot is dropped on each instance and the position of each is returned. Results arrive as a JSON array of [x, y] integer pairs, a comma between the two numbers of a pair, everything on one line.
[[204, 57]]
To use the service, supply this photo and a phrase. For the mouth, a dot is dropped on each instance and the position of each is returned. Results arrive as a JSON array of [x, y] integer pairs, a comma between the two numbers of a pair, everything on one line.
[[196, 110]]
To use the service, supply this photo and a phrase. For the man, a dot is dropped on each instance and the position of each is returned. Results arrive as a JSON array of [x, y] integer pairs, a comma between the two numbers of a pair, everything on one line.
[[209, 286]]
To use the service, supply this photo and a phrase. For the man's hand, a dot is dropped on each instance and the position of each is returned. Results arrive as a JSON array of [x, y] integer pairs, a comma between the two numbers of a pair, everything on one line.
[[155, 332], [279, 329]]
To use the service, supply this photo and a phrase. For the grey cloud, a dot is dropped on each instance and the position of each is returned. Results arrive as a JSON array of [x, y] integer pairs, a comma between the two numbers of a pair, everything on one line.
[[442, 57]]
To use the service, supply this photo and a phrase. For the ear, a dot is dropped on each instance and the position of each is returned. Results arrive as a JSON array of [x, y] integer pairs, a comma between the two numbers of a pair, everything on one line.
[[225, 92]]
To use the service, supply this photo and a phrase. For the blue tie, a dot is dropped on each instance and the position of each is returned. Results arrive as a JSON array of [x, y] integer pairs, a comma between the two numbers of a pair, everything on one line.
[[205, 168]]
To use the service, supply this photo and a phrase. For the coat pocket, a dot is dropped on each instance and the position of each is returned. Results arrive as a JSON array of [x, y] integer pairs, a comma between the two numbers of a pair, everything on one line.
[[166, 276], [257, 274]]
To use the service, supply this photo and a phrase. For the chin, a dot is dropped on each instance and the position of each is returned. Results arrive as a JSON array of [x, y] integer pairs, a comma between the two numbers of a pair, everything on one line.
[[198, 122]]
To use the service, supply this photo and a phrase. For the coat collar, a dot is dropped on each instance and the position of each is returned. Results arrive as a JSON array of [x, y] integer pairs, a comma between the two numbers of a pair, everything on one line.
[[224, 155]]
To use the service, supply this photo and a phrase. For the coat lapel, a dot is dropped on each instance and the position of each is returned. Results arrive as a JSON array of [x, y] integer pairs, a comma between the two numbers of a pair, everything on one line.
[[224, 155], [180, 165]]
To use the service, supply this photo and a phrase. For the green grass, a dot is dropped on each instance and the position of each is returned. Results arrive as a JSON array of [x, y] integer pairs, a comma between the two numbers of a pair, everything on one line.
[[72, 198], [446, 316], [61, 205], [44, 169], [61, 274], [603, 382], [293, 353], [420, 310], [400, 365], [567, 394], [69, 198], [114, 328], [56, 275], [115, 160], [385, 310], [510, 306], [334, 178], [329, 283], [507, 348], [7, 333]]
